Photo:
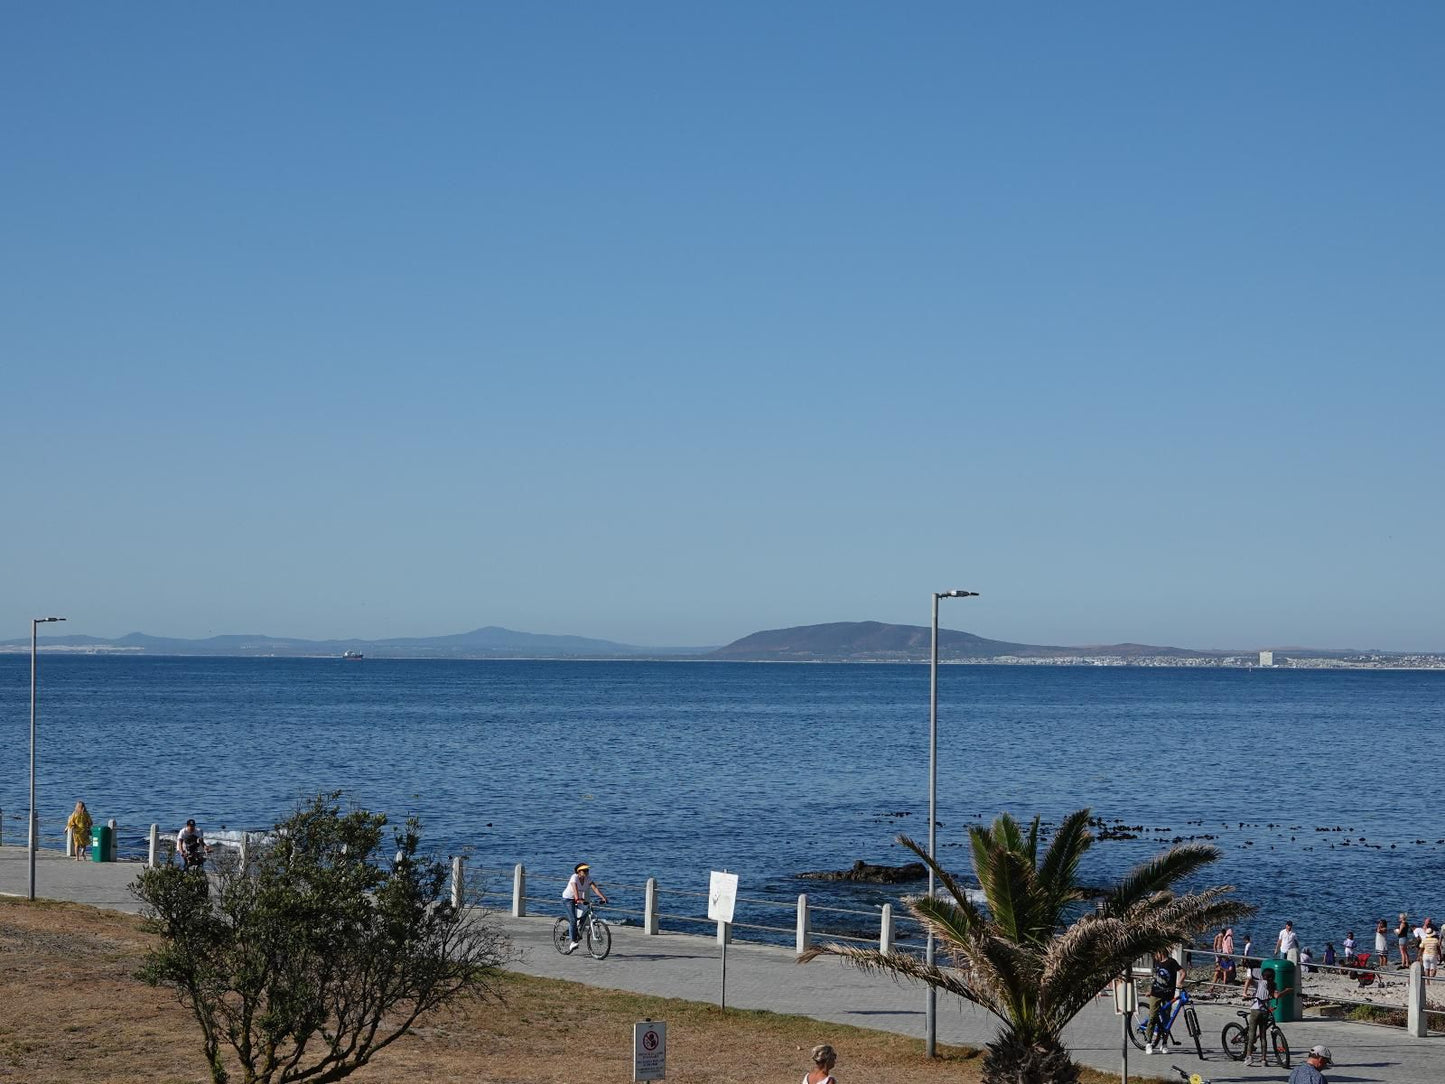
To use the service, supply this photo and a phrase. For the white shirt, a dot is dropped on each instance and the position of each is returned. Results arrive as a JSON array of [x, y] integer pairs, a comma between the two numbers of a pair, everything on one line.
[[577, 887], [1259, 995], [1288, 939], [189, 834]]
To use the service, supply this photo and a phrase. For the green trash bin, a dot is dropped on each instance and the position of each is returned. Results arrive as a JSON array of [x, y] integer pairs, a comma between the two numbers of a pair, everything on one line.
[[101, 837], [1286, 1005]]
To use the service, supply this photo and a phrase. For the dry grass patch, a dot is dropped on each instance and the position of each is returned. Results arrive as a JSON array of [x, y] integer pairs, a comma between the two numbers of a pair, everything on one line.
[[71, 1010]]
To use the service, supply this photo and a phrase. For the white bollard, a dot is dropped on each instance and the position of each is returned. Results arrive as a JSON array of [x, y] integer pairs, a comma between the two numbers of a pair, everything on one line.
[[1416, 1023], [649, 907], [724, 933], [114, 844], [457, 883], [155, 846], [885, 930], [69, 842], [519, 891], [805, 926]]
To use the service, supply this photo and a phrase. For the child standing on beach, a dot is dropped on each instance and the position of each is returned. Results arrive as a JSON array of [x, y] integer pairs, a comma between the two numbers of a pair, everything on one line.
[[1382, 943]]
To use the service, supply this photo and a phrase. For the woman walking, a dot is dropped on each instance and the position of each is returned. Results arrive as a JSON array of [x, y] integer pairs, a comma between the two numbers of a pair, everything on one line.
[[79, 825]]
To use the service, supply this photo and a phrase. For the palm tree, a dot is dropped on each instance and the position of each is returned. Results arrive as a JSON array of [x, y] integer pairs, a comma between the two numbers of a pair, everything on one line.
[[1037, 955]]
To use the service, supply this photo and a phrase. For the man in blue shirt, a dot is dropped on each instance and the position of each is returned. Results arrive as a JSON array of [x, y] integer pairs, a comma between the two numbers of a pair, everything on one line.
[[1309, 1073]]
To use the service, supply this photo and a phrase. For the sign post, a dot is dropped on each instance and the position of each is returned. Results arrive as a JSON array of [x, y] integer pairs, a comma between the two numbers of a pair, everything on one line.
[[649, 1050], [722, 898], [1126, 1003]]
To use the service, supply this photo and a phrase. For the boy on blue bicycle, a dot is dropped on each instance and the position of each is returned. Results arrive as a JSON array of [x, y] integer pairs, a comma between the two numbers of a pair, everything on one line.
[[1166, 985]]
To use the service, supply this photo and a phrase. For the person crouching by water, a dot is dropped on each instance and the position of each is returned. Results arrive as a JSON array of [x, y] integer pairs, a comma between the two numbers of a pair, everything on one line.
[[80, 825], [575, 895], [823, 1061]]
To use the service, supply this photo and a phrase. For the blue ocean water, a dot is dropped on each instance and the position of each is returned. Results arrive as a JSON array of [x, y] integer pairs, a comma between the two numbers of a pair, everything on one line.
[[674, 769]]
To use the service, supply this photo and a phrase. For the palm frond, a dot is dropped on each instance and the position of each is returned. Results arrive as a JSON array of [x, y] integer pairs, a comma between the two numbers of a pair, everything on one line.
[[945, 919], [1033, 844], [1060, 866], [950, 885], [1008, 881], [1159, 874], [901, 965]]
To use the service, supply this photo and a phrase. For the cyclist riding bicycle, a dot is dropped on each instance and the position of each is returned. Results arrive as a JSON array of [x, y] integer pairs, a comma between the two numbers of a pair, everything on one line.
[[1167, 983], [191, 845], [575, 896]]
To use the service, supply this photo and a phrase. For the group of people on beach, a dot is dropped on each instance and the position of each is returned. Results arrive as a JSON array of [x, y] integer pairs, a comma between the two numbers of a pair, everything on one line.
[[1422, 942]]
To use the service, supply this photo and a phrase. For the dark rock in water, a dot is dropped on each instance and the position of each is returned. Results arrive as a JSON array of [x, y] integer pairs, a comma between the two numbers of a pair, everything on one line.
[[871, 874]]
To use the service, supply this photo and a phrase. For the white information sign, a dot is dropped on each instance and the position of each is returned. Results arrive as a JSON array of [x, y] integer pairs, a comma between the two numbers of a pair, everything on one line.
[[649, 1050], [722, 896], [1126, 998]]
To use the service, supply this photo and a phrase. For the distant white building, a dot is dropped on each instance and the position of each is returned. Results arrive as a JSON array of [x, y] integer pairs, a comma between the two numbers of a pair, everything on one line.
[[1266, 658]]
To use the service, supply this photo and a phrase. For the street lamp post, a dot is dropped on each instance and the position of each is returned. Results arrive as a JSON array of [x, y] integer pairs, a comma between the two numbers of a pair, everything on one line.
[[35, 622], [931, 1023]]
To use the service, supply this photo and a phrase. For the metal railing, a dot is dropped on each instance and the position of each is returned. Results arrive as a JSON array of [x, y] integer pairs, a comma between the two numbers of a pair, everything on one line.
[[752, 915]]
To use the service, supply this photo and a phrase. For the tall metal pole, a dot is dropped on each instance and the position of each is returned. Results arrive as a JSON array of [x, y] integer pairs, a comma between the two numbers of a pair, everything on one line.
[[30, 845], [930, 1043], [35, 622], [930, 1046]]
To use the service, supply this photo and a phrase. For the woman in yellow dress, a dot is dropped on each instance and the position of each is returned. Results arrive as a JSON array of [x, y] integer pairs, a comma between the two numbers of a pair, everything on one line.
[[80, 825]]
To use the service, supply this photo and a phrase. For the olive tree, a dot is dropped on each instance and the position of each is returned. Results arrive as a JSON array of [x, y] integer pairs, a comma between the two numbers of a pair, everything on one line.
[[321, 952]]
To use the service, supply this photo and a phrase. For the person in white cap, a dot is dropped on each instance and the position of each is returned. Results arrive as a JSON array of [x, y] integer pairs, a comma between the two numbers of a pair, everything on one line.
[[1309, 1073], [575, 895]]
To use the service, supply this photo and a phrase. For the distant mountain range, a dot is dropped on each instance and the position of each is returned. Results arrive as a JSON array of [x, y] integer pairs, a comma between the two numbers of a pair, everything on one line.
[[841, 641]]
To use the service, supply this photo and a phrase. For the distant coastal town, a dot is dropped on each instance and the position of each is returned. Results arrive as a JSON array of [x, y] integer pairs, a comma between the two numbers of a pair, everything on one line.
[[1266, 660]]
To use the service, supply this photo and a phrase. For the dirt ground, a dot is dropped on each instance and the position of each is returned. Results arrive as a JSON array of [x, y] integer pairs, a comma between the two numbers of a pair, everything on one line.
[[71, 1011]]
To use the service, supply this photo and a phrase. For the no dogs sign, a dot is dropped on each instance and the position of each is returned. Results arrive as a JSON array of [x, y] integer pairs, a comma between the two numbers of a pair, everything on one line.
[[649, 1050]]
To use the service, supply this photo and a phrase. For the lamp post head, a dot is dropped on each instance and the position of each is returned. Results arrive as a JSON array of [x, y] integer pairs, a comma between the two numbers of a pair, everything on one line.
[[957, 594], [44, 620]]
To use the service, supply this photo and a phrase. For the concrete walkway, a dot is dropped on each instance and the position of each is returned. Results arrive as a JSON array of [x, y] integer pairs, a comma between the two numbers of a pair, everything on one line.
[[765, 977]]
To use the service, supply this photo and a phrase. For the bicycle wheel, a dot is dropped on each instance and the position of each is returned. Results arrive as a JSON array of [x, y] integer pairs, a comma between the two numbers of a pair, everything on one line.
[[1232, 1039], [1133, 1032], [599, 939], [560, 940], [1280, 1047], [1191, 1024]]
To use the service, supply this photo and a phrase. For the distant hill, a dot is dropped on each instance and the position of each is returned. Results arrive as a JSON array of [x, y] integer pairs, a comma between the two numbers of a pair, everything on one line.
[[874, 641]]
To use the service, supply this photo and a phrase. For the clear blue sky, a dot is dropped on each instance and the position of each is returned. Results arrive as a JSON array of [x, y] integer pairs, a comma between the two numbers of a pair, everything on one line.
[[668, 323]]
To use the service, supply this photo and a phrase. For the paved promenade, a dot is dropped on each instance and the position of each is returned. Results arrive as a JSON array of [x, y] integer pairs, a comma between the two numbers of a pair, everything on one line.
[[764, 977]]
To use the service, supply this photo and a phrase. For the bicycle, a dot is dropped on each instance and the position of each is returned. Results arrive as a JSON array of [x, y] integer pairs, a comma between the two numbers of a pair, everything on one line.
[[596, 936], [1235, 1034], [1138, 1035]]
